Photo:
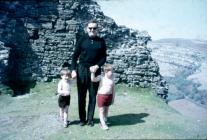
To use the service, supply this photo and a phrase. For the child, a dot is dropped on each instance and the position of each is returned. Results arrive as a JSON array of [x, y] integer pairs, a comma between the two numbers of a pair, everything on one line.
[[105, 95], [64, 91]]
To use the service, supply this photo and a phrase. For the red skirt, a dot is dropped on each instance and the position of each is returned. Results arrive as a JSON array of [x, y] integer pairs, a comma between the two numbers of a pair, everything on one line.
[[104, 99]]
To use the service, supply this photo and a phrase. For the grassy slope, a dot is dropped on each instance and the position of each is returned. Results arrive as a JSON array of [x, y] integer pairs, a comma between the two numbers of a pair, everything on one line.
[[136, 114]]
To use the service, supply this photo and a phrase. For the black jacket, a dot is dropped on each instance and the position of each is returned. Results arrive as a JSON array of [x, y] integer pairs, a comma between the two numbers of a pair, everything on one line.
[[89, 51]]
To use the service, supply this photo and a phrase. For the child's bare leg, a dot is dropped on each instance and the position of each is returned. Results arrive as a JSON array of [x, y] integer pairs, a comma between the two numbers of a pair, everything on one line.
[[62, 113], [106, 113], [101, 116], [66, 114]]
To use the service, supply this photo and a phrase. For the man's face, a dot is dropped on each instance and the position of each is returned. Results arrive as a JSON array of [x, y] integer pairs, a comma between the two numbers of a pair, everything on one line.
[[92, 29]]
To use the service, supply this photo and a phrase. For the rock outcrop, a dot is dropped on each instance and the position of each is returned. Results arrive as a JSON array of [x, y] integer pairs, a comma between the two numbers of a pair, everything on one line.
[[41, 35]]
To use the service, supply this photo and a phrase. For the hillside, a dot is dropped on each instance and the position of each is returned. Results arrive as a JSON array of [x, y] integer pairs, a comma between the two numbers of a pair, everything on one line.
[[136, 114], [183, 64]]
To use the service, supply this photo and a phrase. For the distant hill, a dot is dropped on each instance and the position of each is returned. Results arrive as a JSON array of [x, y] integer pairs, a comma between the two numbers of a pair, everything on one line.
[[183, 63]]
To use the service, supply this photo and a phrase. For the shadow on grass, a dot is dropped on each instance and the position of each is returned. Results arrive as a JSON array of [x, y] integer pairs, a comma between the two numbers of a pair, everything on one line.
[[74, 122], [127, 119], [122, 119]]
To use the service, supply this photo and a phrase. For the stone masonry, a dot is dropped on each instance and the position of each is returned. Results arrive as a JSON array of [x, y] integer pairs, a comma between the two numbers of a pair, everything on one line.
[[41, 35]]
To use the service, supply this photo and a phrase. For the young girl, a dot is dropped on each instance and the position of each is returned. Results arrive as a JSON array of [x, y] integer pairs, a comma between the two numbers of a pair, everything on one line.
[[105, 95], [64, 91]]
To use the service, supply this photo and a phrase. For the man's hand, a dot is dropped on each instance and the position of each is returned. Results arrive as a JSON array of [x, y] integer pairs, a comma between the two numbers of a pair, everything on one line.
[[94, 68], [73, 74]]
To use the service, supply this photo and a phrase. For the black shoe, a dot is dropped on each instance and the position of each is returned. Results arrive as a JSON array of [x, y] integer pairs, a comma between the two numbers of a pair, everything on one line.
[[90, 123], [82, 123]]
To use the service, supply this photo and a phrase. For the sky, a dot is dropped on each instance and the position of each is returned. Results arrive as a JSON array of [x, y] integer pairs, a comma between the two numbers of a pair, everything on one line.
[[160, 18]]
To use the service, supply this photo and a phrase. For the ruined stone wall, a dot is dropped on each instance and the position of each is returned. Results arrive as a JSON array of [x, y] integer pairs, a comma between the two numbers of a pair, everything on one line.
[[41, 35]]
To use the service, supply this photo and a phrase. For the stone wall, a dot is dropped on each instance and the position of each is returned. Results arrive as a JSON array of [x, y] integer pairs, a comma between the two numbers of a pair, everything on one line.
[[41, 35]]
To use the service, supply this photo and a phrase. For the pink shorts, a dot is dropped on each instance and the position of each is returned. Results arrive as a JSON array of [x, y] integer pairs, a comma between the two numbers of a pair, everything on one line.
[[104, 99]]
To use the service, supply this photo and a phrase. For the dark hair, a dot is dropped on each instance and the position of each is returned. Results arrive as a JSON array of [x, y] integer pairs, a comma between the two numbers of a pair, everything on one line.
[[65, 65], [92, 21]]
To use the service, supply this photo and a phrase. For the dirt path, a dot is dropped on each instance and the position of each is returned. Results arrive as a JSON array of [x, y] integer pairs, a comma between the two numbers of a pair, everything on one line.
[[189, 109]]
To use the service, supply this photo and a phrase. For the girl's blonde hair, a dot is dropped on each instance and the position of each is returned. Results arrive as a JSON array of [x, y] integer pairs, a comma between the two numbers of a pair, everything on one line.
[[107, 67], [65, 72]]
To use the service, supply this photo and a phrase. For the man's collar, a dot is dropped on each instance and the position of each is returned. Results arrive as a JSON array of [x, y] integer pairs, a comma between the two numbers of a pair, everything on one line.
[[92, 37]]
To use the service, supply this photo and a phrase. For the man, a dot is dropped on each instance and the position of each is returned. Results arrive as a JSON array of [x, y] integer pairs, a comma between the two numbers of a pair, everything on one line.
[[90, 51]]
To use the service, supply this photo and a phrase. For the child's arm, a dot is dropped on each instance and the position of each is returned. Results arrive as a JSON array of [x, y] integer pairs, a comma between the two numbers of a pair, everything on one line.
[[94, 78], [59, 92]]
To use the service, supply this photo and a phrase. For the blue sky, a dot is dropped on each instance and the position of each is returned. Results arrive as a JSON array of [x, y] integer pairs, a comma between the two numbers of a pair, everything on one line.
[[161, 18]]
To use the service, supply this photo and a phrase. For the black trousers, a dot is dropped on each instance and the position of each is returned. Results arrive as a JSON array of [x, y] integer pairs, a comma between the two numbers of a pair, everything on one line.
[[84, 83]]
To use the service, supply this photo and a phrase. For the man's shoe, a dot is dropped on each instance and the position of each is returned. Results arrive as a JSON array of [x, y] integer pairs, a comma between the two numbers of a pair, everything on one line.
[[90, 123], [82, 123]]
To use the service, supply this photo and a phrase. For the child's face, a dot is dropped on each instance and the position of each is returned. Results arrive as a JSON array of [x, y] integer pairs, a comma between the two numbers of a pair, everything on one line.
[[65, 76], [109, 73]]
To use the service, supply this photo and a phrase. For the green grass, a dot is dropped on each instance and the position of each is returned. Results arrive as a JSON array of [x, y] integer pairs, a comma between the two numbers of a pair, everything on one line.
[[136, 114]]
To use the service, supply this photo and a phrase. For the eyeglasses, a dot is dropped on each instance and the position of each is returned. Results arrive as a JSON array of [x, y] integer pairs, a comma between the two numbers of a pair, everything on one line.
[[90, 28]]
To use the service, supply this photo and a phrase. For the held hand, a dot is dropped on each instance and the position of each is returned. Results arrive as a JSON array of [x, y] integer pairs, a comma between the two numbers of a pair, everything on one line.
[[73, 74], [94, 68]]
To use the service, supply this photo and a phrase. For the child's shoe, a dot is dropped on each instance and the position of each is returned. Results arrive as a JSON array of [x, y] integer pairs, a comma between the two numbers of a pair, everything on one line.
[[104, 127], [65, 124], [106, 121]]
